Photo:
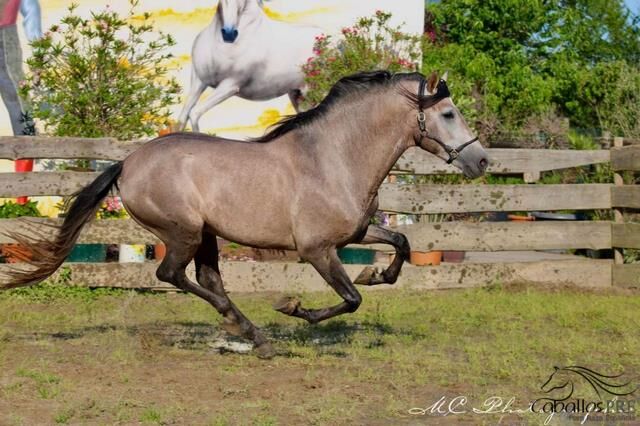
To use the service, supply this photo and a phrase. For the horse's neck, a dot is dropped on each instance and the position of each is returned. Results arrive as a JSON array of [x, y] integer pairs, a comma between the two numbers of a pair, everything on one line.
[[365, 140]]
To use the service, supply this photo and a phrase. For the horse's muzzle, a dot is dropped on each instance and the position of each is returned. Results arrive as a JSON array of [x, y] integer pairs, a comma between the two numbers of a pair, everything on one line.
[[229, 34]]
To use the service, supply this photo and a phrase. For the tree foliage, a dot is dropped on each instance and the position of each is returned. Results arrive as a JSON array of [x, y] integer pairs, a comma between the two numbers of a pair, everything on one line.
[[370, 44], [524, 58], [102, 76]]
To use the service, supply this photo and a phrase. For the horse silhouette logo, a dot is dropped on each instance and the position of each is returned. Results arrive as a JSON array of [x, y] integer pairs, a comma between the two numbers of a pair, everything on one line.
[[563, 378]]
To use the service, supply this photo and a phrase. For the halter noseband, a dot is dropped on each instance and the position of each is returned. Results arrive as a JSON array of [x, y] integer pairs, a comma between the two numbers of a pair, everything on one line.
[[442, 91]]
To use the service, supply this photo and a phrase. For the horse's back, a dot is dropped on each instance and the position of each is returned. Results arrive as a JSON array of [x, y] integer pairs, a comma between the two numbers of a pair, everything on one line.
[[226, 185]]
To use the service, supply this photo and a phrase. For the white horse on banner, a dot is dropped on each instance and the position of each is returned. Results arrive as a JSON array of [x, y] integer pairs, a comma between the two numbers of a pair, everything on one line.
[[244, 53]]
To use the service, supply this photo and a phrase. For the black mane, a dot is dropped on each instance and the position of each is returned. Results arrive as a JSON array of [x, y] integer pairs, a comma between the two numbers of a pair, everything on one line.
[[345, 86]]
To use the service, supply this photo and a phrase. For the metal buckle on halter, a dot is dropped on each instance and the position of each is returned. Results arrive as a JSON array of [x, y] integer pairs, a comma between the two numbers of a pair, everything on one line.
[[422, 122], [453, 154]]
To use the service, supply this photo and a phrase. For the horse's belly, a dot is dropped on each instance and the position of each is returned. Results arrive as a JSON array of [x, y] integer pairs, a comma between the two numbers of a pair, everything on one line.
[[265, 228], [264, 89]]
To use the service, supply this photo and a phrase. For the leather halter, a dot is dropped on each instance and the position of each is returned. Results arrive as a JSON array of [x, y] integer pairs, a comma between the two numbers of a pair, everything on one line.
[[442, 91]]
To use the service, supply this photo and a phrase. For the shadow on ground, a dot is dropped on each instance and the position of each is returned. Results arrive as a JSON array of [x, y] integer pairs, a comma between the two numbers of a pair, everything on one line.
[[327, 337]]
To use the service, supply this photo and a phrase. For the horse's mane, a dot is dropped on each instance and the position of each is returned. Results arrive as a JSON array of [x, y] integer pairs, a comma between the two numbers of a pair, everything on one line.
[[597, 380], [346, 86]]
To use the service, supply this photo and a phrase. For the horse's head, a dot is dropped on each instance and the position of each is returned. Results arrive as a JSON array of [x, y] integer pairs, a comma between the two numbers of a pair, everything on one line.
[[566, 376], [229, 12], [559, 379], [442, 130]]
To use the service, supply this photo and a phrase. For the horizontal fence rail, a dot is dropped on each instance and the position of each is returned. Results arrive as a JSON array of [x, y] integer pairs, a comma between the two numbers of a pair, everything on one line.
[[626, 158], [302, 277], [415, 160], [504, 161], [418, 199], [461, 236], [427, 198], [16, 147], [399, 198]]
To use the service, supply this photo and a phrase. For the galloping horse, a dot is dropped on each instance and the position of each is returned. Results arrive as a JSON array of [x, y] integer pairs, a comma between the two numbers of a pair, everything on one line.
[[244, 53], [310, 184]]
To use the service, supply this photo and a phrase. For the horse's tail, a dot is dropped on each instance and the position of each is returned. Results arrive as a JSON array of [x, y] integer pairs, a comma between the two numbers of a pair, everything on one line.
[[49, 255]]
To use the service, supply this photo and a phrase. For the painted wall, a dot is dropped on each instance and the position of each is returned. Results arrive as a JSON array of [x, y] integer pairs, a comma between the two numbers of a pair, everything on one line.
[[185, 19]]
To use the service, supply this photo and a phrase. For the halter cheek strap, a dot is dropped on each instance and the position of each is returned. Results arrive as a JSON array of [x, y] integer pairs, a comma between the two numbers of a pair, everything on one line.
[[442, 91]]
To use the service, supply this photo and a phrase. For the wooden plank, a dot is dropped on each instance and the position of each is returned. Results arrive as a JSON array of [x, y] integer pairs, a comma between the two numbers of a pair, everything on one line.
[[627, 158], [15, 147], [505, 161], [501, 236], [415, 160], [627, 196], [417, 199], [422, 199], [463, 236], [627, 276], [625, 235], [295, 278], [105, 231], [44, 183]]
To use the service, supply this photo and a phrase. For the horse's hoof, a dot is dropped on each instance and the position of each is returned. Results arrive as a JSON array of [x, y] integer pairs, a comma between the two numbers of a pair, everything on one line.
[[223, 345], [231, 327], [366, 276], [287, 305], [265, 351]]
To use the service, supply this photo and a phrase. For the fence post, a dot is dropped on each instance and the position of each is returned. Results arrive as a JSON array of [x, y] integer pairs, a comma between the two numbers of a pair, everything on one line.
[[605, 140], [618, 180]]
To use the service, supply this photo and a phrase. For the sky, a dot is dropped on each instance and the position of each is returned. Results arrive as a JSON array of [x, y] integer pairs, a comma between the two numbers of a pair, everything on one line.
[[633, 5]]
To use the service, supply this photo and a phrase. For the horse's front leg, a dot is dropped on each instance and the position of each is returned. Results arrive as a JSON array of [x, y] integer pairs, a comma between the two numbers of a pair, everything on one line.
[[196, 90], [225, 90], [328, 265], [377, 234]]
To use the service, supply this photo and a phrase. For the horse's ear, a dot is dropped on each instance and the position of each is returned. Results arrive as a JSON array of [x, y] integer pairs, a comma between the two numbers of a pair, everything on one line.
[[432, 82], [445, 75]]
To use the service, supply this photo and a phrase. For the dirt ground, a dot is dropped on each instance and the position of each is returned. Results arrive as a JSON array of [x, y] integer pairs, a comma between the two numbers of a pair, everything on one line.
[[132, 358]]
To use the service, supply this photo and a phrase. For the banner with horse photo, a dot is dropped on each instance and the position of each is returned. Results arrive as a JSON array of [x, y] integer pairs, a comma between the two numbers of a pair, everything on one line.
[[238, 62]]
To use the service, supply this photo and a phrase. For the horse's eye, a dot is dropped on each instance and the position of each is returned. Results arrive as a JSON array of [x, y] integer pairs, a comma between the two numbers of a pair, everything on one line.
[[448, 115]]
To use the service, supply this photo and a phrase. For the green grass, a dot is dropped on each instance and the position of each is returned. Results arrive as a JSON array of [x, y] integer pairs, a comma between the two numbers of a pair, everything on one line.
[[144, 357]]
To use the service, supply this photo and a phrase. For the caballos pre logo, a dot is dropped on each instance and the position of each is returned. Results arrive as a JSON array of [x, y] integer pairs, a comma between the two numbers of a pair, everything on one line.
[[610, 390], [614, 400]]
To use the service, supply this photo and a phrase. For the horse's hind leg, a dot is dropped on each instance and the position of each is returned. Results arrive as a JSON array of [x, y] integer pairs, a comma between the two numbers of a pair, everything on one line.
[[173, 270], [377, 234], [295, 96], [208, 276]]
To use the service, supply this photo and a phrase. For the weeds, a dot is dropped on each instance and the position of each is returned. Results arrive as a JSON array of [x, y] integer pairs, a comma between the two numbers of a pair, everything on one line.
[[401, 349]]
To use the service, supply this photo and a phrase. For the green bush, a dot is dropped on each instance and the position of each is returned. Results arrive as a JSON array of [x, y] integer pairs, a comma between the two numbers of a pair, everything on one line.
[[618, 103], [371, 44], [10, 210], [523, 60], [101, 76]]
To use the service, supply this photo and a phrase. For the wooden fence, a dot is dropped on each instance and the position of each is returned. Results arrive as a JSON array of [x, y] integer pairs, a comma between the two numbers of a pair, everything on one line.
[[398, 198]]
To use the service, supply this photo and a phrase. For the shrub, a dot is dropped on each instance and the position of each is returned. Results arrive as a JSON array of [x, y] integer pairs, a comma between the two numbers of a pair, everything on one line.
[[10, 210], [371, 44], [101, 76], [619, 107]]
